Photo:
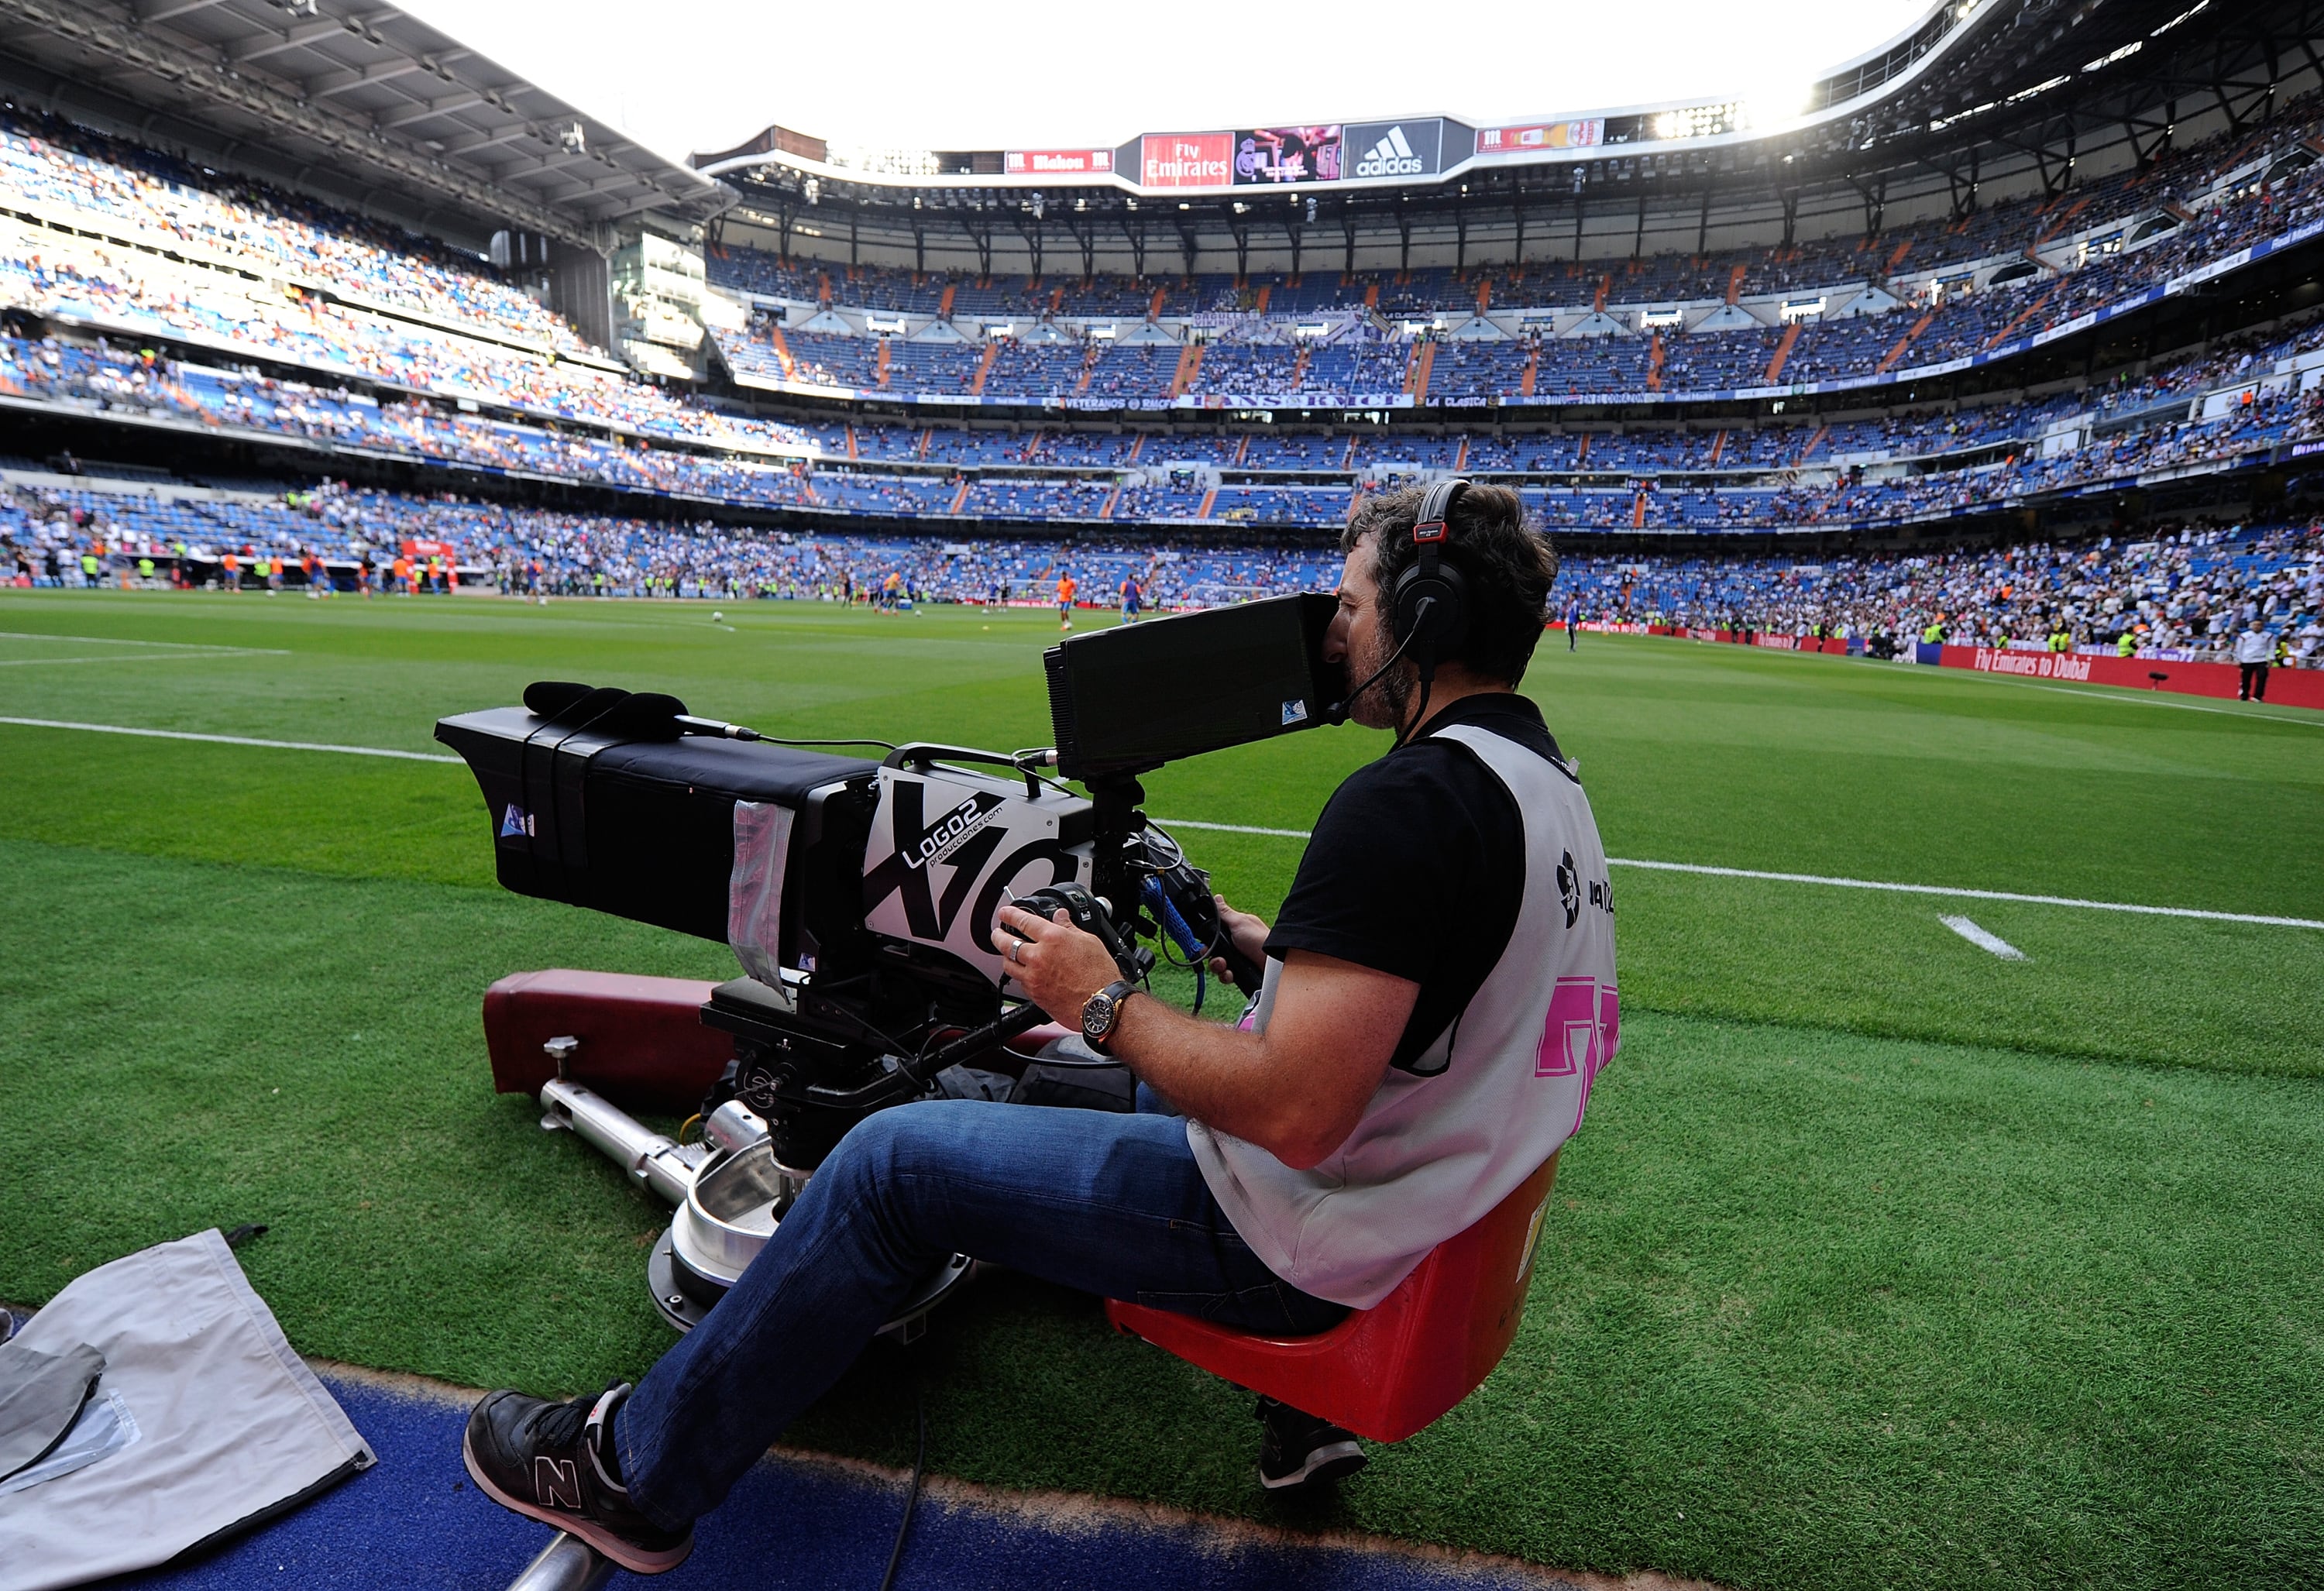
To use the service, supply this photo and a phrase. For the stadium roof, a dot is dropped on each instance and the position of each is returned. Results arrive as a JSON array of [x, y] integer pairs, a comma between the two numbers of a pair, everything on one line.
[[1973, 85], [1979, 100], [365, 89]]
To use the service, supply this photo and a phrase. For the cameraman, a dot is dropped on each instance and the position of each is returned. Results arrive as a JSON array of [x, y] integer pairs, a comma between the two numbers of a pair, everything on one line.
[[1439, 993]]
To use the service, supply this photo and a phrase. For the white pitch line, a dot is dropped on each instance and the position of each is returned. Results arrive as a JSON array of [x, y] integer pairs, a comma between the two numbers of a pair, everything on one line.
[[2056, 900], [108, 641], [1874, 884], [2135, 698], [154, 734], [1619, 861], [1982, 939], [117, 657]]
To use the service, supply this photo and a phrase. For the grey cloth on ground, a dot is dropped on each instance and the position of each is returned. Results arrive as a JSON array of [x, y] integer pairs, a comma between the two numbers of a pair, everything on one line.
[[219, 1424], [106, 1426], [40, 1396]]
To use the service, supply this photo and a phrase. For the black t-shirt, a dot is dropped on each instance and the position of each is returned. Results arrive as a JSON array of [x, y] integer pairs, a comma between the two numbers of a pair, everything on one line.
[[1417, 868]]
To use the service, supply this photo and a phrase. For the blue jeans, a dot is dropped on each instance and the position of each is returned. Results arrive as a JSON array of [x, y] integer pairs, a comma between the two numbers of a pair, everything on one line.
[[1107, 1203]]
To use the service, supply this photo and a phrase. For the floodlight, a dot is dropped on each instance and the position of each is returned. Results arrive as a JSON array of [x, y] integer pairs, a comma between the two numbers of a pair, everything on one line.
[[1778, 106]]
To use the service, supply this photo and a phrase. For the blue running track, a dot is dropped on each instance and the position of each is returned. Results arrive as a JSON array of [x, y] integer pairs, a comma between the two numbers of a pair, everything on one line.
[[415, 1523]]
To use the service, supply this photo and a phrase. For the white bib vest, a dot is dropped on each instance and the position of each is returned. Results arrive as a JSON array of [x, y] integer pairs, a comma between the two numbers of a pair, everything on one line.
[[1489, 1099]]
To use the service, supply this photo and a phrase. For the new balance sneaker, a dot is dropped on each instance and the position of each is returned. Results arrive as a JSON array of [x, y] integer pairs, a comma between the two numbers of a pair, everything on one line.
[[543, 1460], [1301, 1450]]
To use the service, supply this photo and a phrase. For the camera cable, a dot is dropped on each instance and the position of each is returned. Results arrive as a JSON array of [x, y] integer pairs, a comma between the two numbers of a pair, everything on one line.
[[1420, 716], [781, 740], [911, 1496]]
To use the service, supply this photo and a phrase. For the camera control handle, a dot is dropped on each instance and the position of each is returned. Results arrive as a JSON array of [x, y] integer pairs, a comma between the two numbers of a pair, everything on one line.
[[1190, 919], [1092, 914]]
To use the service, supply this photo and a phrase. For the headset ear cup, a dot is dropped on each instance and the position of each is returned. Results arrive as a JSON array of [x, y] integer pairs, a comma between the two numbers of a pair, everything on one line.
[[1450, 616], [1445, 596], [1404, 609], [1431, 584]]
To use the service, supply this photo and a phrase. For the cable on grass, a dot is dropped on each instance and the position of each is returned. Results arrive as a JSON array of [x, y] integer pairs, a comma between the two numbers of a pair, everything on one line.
[[912, 1496]]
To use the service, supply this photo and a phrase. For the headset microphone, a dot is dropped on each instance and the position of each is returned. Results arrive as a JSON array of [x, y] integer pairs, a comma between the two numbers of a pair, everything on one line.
[[1338, 712]]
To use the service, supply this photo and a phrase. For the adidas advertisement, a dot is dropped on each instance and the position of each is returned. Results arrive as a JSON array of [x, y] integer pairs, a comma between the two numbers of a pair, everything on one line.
[[1394, 149]]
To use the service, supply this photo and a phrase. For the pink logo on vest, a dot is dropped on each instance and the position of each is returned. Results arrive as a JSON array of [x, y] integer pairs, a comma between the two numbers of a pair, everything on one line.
[[1583, 1029]]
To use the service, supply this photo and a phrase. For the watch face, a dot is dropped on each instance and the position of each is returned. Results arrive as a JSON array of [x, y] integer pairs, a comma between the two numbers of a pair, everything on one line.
[[1097, 1016]]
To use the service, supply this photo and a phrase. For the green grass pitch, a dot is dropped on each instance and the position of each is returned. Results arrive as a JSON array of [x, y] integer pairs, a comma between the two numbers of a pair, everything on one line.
[[1880, 1262]]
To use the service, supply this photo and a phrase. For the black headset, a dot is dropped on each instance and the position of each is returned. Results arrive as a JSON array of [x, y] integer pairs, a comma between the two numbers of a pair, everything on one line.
[[1428, 612]]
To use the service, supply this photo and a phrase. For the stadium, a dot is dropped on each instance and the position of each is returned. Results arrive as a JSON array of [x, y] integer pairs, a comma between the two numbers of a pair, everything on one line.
[[1933, 455]]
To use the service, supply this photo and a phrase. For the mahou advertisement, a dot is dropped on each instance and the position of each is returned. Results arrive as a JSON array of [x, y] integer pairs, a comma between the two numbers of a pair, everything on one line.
[[1523, 140], [1186, 160], [1066, 162]]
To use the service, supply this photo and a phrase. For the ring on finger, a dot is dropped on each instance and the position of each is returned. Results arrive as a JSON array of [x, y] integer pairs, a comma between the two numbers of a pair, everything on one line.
[[1014, 946]]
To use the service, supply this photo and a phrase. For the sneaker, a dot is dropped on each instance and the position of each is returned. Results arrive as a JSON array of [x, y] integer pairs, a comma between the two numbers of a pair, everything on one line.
[[541, 1460], [1301, 1450]]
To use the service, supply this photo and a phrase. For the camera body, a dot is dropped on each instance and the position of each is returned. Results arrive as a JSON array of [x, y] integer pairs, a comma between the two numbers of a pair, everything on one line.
[[857, 893], [860, 896]]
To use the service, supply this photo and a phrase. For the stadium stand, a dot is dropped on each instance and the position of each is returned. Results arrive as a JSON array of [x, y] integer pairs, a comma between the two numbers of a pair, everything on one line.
[[2090, 247], [142, 285]]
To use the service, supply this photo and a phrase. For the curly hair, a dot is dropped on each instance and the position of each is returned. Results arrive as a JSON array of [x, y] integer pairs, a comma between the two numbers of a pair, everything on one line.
[[1509, 566]]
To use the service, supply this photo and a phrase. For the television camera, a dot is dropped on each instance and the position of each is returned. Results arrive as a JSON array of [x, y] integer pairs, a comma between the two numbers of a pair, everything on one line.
[[858, 895]]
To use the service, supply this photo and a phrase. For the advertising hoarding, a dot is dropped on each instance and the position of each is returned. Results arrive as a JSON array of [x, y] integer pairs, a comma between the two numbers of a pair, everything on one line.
[[1061, 162], [1287, 154], [1534, 136], [1186, 160], [1414, 148]]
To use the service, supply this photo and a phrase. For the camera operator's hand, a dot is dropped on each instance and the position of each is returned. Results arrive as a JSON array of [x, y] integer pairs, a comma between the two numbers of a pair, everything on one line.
[[1057, 965], [1246, 932]]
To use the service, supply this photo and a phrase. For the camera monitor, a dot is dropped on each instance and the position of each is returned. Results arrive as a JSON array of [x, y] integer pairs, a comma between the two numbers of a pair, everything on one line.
[[1122, 700]]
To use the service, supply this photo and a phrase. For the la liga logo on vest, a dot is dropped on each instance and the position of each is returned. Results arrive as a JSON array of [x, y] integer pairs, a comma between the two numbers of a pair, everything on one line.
[[1570, 891]]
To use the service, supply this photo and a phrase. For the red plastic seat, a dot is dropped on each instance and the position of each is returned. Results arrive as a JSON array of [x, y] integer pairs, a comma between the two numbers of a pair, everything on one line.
[[1391, 1370]]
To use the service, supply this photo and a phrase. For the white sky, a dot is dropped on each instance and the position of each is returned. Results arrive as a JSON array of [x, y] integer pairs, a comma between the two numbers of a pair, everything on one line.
[[685, 74]]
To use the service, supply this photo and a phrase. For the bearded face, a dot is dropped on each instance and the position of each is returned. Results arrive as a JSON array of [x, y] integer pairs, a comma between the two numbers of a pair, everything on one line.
[[1360, 640]]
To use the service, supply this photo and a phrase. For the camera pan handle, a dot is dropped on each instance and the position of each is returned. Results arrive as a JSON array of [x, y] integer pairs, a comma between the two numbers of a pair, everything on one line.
[[912, 1074]]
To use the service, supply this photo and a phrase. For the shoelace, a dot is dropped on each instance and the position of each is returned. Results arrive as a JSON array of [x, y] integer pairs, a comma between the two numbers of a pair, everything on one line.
[[562, 1425]]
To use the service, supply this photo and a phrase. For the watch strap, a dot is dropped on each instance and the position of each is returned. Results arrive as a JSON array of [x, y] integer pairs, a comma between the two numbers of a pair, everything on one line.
[[1118, 990]]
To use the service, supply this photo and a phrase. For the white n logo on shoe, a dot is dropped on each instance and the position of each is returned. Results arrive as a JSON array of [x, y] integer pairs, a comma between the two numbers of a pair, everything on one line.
[[556, 1481]]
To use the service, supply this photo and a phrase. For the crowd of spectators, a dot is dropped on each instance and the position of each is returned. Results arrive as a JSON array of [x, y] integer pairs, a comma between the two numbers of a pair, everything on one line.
[[2181, 593], [161, 200], [1896, 468]]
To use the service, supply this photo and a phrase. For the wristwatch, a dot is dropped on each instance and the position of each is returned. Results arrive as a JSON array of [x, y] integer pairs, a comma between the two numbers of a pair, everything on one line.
[[1102, 1013]]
